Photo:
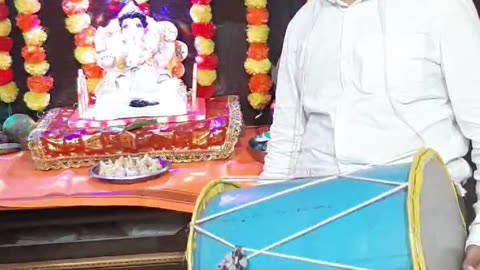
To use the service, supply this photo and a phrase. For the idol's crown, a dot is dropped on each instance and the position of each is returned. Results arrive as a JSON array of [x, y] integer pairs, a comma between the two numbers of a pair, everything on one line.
[[129, 8]]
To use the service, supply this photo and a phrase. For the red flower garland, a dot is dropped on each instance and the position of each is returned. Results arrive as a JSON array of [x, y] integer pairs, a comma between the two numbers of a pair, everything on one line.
[[6, 76], [8, 88], [205, 31], [35, 63], [209, 62], [78, 23], [6, 44], [257, 63], [4, 12]]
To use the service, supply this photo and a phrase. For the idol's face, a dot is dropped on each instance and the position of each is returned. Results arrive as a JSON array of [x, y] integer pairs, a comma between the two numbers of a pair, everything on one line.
[[132, 29]]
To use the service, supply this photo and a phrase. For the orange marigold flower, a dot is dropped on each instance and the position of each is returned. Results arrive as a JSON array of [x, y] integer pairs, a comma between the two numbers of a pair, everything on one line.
[[92, 71], [257, 16], [86, 37], [258, 51], [260, 83], [26, 22], [40, 84], [33, 54]]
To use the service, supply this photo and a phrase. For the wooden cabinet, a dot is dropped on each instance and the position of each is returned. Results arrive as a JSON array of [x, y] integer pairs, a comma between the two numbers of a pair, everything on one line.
[[93, 238]]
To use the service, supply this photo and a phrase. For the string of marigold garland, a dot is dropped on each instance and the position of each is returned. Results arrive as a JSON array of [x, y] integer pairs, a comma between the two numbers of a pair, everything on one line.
[[8, 88], [39, 84], [204, 31], [257, 64], [78, 22]]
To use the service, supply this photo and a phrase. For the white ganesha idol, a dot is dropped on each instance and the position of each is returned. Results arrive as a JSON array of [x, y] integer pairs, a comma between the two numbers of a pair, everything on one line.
[[143, 64]]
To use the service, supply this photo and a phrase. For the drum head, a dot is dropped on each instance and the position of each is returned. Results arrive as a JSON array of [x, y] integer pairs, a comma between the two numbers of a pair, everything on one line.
[[435, 218]]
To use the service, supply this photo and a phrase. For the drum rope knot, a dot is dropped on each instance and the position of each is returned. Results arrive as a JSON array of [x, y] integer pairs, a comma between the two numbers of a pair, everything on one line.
[[236, 260]]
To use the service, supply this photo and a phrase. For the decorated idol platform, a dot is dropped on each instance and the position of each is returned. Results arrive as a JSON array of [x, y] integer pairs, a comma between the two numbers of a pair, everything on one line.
[[133, 134]]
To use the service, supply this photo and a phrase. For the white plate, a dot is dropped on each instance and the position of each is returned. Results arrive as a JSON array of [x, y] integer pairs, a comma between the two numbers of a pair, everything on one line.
[[94, 173]]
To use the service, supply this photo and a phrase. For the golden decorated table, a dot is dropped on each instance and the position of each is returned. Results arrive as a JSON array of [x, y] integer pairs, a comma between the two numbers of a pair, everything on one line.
[[42, 197]]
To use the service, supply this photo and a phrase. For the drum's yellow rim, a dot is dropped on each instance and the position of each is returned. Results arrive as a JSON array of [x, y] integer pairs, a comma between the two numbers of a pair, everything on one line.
[[212, 190], [415, 182]]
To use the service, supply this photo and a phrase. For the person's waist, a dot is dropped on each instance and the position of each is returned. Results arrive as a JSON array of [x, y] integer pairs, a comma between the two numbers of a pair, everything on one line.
[[459, 169], [443, 137]]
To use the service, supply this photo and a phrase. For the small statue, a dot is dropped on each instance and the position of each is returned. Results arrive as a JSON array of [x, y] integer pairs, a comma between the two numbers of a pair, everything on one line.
[[139, 56]]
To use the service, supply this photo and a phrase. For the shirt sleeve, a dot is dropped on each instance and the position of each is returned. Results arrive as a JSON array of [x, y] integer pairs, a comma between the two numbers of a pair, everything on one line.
[[459, 32], [288, 119]]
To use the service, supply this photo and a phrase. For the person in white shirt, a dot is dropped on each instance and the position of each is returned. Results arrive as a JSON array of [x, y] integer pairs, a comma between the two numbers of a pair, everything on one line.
[[367, 81]]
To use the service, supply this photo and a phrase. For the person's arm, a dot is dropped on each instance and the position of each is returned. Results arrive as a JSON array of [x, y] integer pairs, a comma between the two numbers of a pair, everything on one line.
[[288, 117], [459, 32]]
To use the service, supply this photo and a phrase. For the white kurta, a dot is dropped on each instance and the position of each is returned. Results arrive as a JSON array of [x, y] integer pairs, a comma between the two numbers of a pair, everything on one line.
[[336, 112]]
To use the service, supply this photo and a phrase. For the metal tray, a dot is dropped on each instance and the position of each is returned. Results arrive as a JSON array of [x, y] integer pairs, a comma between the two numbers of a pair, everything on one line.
[[7, 148], [94, 173], [257, 146]]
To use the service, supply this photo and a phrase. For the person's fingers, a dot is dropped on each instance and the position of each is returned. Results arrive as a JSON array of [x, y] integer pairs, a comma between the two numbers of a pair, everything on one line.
[[470, 264], [472, 258]]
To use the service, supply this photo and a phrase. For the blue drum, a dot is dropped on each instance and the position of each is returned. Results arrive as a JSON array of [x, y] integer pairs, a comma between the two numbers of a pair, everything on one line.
[[396, 217]]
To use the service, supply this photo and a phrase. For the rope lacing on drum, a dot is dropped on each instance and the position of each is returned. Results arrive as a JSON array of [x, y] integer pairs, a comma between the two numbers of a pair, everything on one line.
[[266, 250], [237, 260]]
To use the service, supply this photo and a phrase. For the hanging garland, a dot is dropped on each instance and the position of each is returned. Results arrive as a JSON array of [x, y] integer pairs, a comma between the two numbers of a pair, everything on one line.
[[78, 22], [36, 65], [207, 62], [8, 88], [257, 64]]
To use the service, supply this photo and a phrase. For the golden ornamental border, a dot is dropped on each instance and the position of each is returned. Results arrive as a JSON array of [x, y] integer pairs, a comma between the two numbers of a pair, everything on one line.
[[176, 156]]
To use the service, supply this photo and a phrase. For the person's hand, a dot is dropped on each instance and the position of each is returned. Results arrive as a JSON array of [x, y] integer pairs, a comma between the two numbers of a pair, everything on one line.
[[472, 258]]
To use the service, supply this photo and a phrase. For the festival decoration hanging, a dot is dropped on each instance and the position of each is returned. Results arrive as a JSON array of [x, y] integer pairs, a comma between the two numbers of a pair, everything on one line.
[[8, 88], [204, 32], [257, 64], [78, 22], [36, 65]]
